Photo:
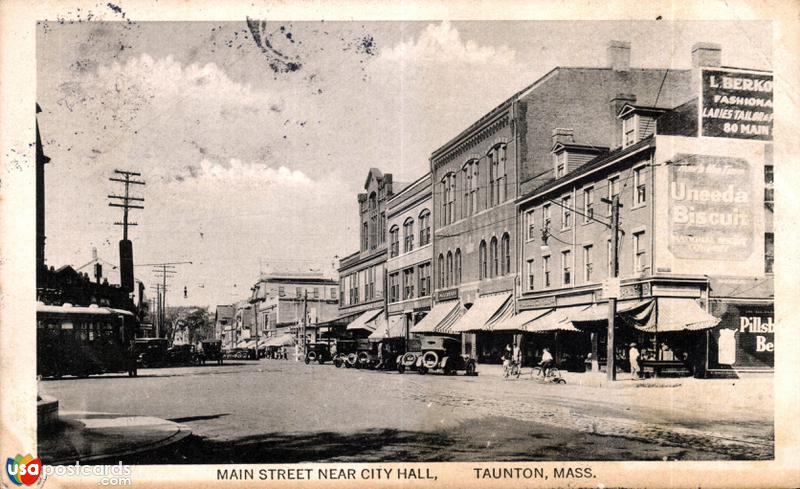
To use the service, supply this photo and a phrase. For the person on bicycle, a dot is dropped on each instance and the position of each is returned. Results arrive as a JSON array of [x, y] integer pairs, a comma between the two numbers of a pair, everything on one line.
[[547, 362]]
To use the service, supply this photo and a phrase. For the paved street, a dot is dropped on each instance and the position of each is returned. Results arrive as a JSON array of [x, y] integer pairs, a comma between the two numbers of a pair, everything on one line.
[[280, 411]]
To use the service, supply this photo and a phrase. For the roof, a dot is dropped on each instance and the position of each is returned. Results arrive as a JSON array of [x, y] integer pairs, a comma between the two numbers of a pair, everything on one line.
[[627, 108]]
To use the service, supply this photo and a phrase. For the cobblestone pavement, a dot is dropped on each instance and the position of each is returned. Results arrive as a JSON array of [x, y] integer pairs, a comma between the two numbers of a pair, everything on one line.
[[282, 411]]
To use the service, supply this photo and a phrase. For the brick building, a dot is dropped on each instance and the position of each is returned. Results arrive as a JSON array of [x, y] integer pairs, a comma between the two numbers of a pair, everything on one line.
[[478, 176]]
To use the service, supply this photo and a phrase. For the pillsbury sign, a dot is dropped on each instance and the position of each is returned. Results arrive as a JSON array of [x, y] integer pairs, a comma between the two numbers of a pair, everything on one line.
[[736, 104]]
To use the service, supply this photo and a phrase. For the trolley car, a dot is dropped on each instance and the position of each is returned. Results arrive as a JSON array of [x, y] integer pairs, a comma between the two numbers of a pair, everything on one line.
[[80, 341]]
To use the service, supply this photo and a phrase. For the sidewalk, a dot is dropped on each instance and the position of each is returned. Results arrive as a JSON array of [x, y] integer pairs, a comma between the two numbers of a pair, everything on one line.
[[87, 437], [595, 379]]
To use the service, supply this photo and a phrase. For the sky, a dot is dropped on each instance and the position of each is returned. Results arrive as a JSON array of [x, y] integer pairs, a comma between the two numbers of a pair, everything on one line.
[[254, 138]]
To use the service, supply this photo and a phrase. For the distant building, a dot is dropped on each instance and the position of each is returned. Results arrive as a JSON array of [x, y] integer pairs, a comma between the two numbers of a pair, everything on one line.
[[224, 320]]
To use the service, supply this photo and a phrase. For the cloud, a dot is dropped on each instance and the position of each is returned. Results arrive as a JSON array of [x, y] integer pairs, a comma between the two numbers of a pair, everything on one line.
[[237, 172]]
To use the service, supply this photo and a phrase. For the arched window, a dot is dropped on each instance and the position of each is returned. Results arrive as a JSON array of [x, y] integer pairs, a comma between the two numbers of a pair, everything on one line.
[[449, 280], [505, 252], [457, 276], [408, 235], [440, 270], [424, 227], [373, 221], [394, 241], [482, 260], [494, 259]]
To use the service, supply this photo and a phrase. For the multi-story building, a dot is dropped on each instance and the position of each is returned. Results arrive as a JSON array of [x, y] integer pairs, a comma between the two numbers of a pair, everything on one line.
[[695, 247], [408, 266], [478, 176], [278, 301], [223, 320], [361, 274]]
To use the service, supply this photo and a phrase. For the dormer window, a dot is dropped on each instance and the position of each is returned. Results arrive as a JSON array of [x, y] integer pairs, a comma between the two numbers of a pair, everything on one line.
[[629, 136], [638, 122], [560, 161]]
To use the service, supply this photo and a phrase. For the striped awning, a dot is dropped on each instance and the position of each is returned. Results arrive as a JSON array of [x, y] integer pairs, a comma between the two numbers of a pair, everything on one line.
[[365, 320], [440, 319], [599, 312], [395, 328], [517, 322], [485, 312], [282, 340], [556, 320], [669, 314]]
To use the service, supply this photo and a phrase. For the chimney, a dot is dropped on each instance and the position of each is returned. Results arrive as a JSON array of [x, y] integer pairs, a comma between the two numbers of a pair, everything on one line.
[[98, 272], [94, 253], [618, 55], [563, 135], [706, 54]]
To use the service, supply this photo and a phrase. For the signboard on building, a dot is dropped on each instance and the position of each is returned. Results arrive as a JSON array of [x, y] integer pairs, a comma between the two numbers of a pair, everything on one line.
[[711, 208], [744, 338], [447, 295], [736, 104], [611, 288]]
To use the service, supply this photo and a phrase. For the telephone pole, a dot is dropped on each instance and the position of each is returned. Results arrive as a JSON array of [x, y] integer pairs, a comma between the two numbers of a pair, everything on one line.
[[166, 270], [126, 202], [611, 367]]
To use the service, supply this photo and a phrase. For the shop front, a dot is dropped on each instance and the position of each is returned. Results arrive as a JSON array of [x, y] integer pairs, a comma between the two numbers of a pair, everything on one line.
[[744, 339]]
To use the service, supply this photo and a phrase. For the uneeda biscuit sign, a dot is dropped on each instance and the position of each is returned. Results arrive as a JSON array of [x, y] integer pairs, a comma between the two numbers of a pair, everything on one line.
[[736, 104]]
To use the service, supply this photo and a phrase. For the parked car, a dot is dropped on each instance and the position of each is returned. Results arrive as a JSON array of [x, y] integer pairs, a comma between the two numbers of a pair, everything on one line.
[[366, 354], [345, 353], [443, 353], [150, 352], [182, 355], [318, 352], [408, 360], [211, 351]]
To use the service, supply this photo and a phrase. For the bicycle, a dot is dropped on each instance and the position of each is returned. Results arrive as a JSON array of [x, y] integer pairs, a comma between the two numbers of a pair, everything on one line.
[[553, 375], [512, 370]]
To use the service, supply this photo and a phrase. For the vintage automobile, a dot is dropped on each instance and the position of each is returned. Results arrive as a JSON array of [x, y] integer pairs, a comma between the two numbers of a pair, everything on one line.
[[408, 360], [211, 350], [366, 354], [151, 352], [318, 352], [178, 355], [443, 353], [345, 353]]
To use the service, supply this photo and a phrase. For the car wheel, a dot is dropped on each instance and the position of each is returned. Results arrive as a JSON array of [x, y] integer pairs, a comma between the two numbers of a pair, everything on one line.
[[448, 370], [401, 368], [422, 370], [337, 363], [470, 370], [321, 361], [307, 360]]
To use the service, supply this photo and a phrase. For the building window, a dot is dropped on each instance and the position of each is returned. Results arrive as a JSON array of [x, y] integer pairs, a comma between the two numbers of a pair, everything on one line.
[[530, 225], [394, 287], [370, 283], [629, 131], [769, 185], [354, 292], [587, 263], [482, 267], [494, 259], [470, 174], [281, 291], [505, 251], [639, 186], [408, 283], [566, 267], [457, 277], [364, 237], [588, 204], [560, 160], [316, 293], [449, 198], [546, 215], [497, 175], [298, 292], [566, 212], [492, 177], [449, 277], [394, 241], [333, 292], [613, 190], [440, 270], [502, 175], [425, 227], [341, 292], [639, 250], [424, 280], [373, 221], [382, 228], [474, 188], [546, 270], [408, 235], [769, 252], [531, 275]]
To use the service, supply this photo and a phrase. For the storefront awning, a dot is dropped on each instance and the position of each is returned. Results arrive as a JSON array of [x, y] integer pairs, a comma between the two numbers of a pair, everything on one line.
[[517, 322], [669, 314], [484, 313], [440, 319], [396, 327], [365, 320], [599, 312], [282, 340], [557, 320]]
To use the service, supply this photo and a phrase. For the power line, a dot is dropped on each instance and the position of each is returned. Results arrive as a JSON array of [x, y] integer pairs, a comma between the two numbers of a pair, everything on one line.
[[126, 199]]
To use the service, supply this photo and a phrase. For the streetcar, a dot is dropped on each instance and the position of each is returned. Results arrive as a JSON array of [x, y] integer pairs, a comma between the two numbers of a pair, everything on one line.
[[81, 341]]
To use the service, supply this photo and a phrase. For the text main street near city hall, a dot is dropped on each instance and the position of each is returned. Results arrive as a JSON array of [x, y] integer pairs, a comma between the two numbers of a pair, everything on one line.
[[388, 243]]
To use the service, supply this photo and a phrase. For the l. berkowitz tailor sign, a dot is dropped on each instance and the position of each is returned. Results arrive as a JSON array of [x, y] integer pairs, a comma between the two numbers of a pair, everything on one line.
[[736, 104], [709, 206]]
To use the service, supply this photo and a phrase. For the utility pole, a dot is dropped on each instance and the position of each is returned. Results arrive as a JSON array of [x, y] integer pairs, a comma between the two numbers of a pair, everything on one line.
[[611, 368], [165, 269], [126, 202], [305, 320]]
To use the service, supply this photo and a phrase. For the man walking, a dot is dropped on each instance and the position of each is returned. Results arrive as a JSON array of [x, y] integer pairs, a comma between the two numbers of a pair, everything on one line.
[[633, 356]]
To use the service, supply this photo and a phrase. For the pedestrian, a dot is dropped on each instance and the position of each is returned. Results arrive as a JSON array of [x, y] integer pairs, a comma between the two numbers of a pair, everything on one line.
[[547, 361], [508, 355], [380, 356], [283, 353], [132, 367], [633, 356]]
